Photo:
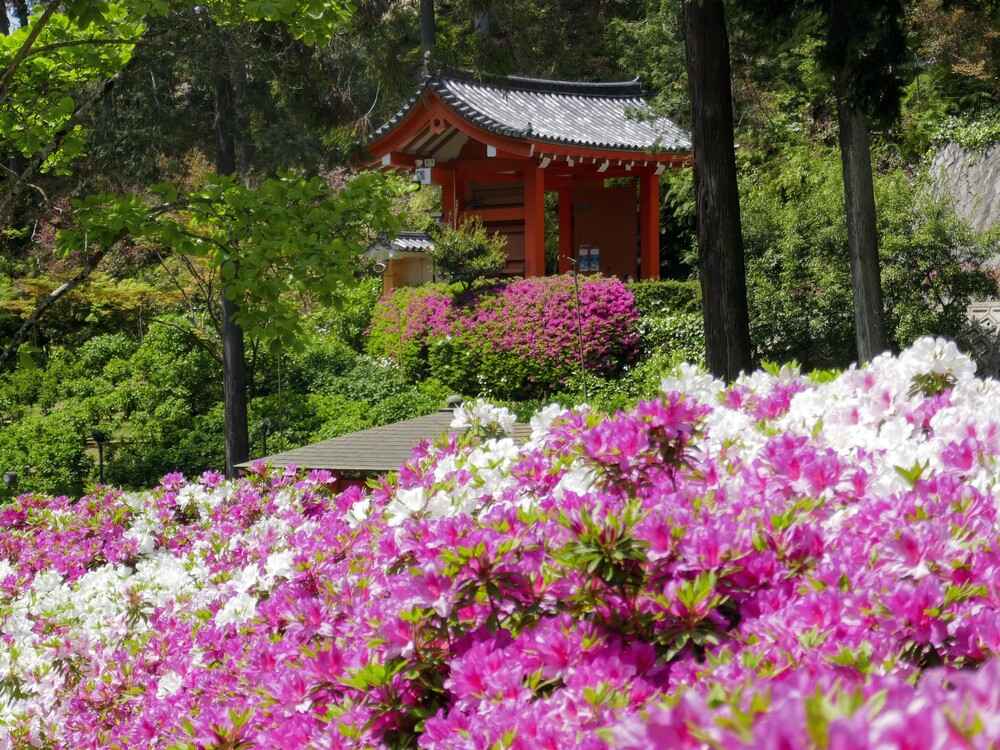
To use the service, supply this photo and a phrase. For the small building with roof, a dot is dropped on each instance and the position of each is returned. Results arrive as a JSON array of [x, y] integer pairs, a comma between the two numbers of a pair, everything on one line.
[[406, 259], [497, 145], [375, 451]]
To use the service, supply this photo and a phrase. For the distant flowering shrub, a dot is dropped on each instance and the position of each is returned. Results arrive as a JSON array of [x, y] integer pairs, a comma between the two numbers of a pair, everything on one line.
[[777, 564], [518, 340]]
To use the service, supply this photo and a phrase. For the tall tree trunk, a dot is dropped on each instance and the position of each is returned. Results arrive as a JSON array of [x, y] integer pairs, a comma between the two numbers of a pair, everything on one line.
[[427, 25], [234, 367], [859, 192], [720, 239], [5, 31], [862, 234]]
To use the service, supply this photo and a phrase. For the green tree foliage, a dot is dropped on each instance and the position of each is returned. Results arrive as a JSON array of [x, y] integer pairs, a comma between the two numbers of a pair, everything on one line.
[[46, 452], [666, 297], [273, 247], [160, 403], [468, 252], [42, 95], [799, 280]]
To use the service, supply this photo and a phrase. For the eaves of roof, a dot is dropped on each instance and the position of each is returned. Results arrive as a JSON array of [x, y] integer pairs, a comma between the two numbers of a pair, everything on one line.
[[572, 113]]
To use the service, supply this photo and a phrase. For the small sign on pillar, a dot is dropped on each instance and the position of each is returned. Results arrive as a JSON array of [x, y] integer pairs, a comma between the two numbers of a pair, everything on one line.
[[422, 175]]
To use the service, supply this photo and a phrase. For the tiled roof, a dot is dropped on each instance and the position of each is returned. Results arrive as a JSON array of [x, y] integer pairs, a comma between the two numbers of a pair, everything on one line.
[[594, 115], [413, 242], [376, 450], [403, 244]]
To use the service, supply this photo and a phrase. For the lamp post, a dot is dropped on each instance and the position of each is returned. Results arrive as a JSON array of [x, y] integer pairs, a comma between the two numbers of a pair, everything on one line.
[[579, 324]]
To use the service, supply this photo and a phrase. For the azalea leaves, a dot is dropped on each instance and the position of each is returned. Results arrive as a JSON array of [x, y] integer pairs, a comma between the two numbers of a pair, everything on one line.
[[606, 550]]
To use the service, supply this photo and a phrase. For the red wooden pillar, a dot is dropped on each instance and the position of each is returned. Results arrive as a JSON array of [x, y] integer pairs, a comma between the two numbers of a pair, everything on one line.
[[446, 179], [565, 230], [649, 225], [459, 197], [534, 220]]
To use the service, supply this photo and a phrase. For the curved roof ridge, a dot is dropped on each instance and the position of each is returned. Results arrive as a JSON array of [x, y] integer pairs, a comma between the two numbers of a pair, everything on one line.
[[571, 113], [616, 89]]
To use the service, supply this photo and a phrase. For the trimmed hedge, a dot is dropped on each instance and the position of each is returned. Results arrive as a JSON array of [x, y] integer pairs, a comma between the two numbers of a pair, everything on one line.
[[666, 296]]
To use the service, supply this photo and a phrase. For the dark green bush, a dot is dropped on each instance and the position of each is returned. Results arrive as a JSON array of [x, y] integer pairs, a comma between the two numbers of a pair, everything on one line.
[[466, 367], [666, 296], [160, 402], [169, 439], [681, 335], [414, 401], [370, 380], [47, 452], [349, 318], [313, 368]]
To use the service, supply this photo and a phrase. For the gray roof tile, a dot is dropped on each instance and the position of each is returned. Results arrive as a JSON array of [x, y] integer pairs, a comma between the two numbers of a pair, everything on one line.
[[404, 243], [590, 115], [376, 450], [413, 241]]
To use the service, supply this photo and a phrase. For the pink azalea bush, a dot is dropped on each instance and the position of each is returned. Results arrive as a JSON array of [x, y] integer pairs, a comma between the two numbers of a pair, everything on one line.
[[780, 563], [525, 337]]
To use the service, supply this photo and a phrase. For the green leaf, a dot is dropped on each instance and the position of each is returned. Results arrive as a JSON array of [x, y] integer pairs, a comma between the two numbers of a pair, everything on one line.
[[913, 474]]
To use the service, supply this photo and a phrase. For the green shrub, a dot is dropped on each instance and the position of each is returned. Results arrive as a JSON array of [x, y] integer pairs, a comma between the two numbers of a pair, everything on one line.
[[370, 380], [77, 373], [932, 263], [666, 296], [170, 438], [373, 392], [47, 452], [349, 318], [160, 402], [975, 133], [469, 252], [280, 421], [336, 414], [465, 366], [681, 335], [313, 368], [168, 363], [422, 398]]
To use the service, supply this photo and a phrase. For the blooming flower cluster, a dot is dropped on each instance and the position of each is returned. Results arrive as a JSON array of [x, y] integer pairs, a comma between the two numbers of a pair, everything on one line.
[[485, 418], [775, 563], [548, 325]]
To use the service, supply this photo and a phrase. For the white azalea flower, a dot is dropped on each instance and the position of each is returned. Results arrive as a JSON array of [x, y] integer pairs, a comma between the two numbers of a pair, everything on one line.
[[169, 684], [238, 609], [280, 564]]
